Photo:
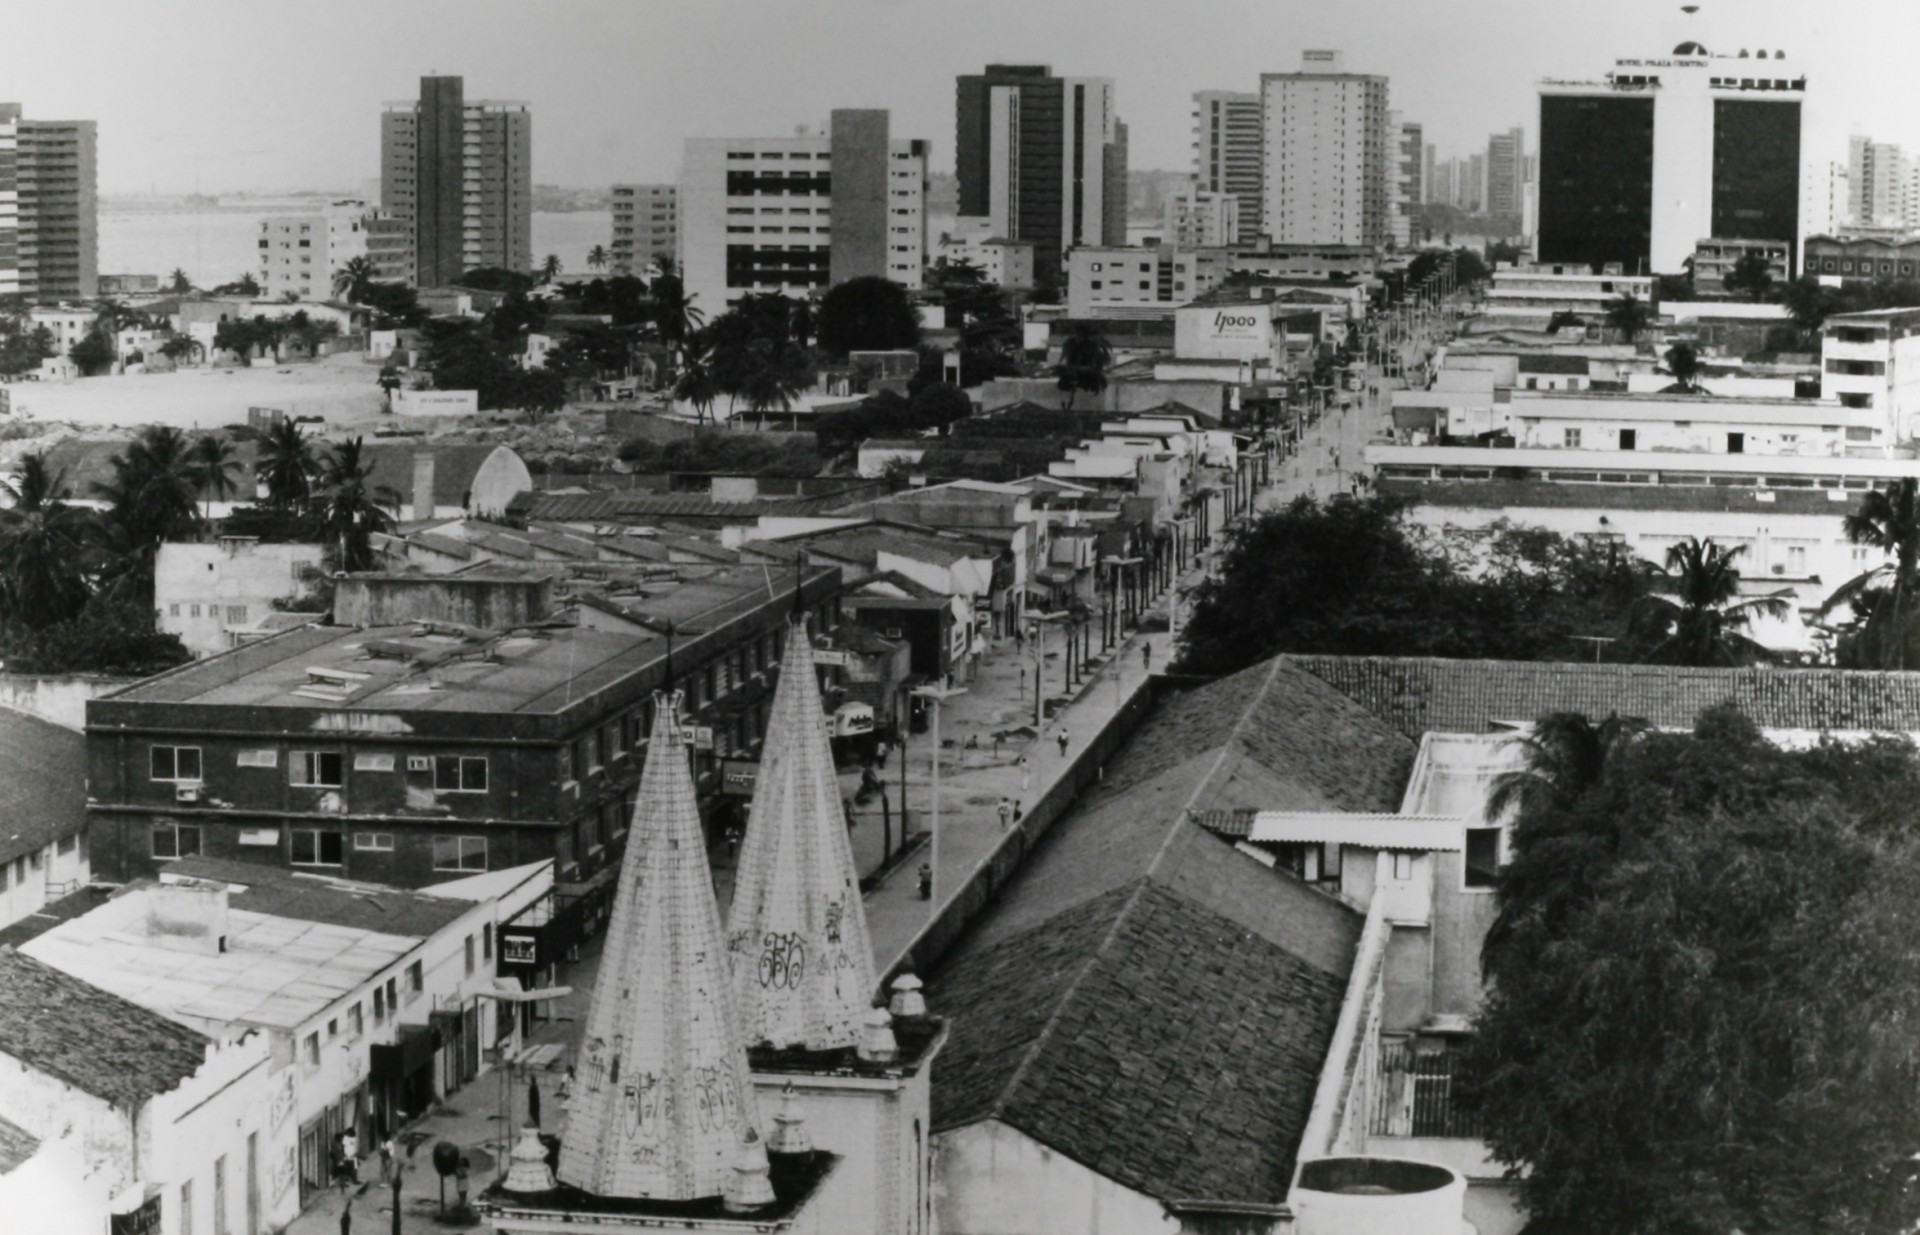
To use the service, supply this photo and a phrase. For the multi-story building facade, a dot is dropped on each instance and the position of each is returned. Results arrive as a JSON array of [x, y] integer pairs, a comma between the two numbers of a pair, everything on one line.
[[1870, 363], [1327, 150], [389, 748], [1044, 158], [1636, 167], [1862, 259], [49, 207], [460, 174], [1879, 184], [794, 215], [1470, 186], [1506, 173], [1440, 189], [1228, 151], [1199, 218], [1006, 263], [646, 226], [1713, 260], [1407, 180], [390, 248], [301, 253], [205, 593]]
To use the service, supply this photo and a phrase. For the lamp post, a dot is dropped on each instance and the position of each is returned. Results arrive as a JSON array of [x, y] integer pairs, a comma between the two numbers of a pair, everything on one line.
[[1037, 624], [939, 695], [511, 997]]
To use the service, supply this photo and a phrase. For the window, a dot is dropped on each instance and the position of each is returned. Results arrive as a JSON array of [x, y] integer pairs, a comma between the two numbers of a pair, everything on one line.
[[220, 1195], [313, 1049], [257, 759], [313, 847], [260, 837], [333, 1029], [176, 763], [373, 842], [1482, 857], [1736, 443], [393, 994], [415, 984], [186, 1208], [469, 953], [373, 763], [1796, 559], [355, 1025], [236, 613], [460, 774], [176, 840], [319, 768], [1403, 866], [486, 941], [566, 764], [459, 853], [379, 1005], [1570, 438]]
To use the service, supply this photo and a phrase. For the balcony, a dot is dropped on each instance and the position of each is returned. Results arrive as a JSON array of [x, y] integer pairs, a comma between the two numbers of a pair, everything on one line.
[[1413, 1093]]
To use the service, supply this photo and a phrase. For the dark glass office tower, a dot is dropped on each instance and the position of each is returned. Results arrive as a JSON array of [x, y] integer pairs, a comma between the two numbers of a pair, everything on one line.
[[1596, 180], [1756, 169]]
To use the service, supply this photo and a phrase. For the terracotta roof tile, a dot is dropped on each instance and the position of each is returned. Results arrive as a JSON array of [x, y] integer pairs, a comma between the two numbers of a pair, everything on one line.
[[98, 1043]]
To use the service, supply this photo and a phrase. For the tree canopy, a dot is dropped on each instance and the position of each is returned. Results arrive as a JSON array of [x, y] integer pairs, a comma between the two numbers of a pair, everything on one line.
[[1702, 988], [1347, 578], [868, 314]]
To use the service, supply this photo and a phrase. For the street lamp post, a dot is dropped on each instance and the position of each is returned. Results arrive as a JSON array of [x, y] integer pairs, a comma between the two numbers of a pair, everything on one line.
[[939, 695], [1037, 624]]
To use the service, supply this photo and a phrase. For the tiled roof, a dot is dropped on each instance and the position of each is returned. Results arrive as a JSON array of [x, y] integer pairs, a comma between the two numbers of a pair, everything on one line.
[[284, 894], [614, 507], [454, 467], [43, 783], [1417, 696], [98, 1043], [1570, 365], [16, 1146], [1146, 1000]]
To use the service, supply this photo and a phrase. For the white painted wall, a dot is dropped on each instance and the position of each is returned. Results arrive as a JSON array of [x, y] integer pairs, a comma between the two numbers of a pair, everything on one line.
[[202, 591], [29, 882], [992, 1179]]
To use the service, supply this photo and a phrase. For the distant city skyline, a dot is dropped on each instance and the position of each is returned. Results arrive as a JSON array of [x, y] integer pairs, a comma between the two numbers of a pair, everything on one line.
[[226, 96]]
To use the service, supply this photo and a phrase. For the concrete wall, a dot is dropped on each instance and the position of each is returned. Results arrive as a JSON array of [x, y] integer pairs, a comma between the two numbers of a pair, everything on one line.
[[882, 1130], [996, 1180], [202, 591], [58, 697], [493, 604]]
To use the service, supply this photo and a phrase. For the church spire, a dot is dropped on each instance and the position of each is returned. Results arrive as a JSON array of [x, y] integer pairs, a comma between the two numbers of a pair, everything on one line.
[[664, 1102], [797, 932]]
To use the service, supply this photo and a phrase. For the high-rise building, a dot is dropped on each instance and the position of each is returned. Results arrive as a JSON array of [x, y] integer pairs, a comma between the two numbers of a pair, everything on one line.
[[1640, 166], [1506, 173], [1040, 157], [1472, 185], [1879, 177], [1426, 176], [1440, 188], [1227, 150], [1406, 179], [49, 207], [646, 226], [1326, 154], [795, 215], [1202, 219], [461, 174], [301, 253]]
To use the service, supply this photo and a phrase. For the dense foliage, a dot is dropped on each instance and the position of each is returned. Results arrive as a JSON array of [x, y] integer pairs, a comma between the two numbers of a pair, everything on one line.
[[1703, 987], [868, 314], [1347, 578], [736, 454]]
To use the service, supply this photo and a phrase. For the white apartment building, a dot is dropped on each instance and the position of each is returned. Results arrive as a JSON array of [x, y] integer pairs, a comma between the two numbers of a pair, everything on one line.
[[9, 199], [1406, 178], [1326, 154], [1535, 294], [1227, 151], [204, 593], [1870, 365], [646, 226], [1152, 281], [779, 214], [1201, 218], [1003, 262], [301, 253], [1714, 259]]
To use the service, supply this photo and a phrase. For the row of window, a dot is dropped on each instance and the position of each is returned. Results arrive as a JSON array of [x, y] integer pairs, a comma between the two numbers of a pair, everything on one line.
[[308, 846], [1842, 265], [324, 768]]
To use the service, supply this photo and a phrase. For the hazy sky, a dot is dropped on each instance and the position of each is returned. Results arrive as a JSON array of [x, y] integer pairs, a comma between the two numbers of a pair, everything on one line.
[[238, 94]]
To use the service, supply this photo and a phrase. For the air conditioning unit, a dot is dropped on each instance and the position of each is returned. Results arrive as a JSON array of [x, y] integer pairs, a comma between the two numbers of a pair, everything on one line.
[[186, 793], [419, 763]]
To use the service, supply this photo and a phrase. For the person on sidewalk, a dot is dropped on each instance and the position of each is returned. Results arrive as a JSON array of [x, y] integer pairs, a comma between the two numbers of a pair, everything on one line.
[[350, 1153], [1061, 737], [460, 1180], [386, 1159], [1146, 657], [1006, 812], [1026, 774], [926, 882]]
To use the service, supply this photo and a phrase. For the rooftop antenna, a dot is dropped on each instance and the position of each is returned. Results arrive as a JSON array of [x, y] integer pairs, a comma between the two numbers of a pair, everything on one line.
[[799, 606], [668, 687]]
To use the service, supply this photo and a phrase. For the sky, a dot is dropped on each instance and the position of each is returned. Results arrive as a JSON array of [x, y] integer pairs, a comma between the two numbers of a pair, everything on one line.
[[234, 95]]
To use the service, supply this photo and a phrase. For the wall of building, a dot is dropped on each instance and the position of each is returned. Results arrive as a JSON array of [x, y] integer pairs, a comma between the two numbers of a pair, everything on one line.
[[993, 1179], [1325, 155], [202, 591], [30, 881], [882, 1131], [60, 698]]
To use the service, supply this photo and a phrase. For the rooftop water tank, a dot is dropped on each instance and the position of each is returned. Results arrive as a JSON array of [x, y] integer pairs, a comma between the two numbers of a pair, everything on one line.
[[1378, 1196]]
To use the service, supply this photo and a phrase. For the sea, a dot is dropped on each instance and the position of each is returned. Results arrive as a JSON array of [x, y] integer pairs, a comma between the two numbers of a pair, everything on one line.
[[218, 245]]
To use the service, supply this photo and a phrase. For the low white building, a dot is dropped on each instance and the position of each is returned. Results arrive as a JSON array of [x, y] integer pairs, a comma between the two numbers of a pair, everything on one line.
[[1541, 291], [1199, 218], [375, 1002], [43, 814], [205, 592], [1870, 362]]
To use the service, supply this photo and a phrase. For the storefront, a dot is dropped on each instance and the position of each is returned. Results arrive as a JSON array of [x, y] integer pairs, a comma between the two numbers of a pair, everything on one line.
[[536, 940], [402, 1076]]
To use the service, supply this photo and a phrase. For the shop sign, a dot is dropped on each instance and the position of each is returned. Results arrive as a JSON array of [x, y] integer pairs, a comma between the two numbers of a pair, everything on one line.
[[852, 720], [737, 776], [1236, 324], [519, 947], [697, 736], [830, 658]]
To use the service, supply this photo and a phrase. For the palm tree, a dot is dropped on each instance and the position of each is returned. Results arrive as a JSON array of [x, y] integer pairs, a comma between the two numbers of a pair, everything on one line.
[[1888, 595], [286, 466], [42, 548], [597, 257], [182, 346], [673, 313], [1084, 357], [1629, 315], [354, 278], [551, 268], [150, 500], [1704, 623], [1684, 363], [216, 467], [777, 370], [697, 384], [349, 507], [178, 281], [112, 317], [1561, 757]]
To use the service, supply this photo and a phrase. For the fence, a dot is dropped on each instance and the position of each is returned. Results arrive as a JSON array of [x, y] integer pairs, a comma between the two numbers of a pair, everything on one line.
[[1414, 1094]]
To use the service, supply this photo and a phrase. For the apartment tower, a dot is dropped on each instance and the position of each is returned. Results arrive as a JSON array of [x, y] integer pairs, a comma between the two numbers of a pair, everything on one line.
[[1227, 151], [646, 226], [461, 174], [1043, 158], [49, 208], [1506, 173], [1327, 154]]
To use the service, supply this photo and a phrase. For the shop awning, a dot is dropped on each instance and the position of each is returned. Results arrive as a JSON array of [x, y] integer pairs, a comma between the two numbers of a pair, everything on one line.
[[411, 1050]]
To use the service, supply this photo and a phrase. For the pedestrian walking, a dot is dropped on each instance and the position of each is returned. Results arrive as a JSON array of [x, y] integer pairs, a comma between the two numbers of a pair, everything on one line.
[[533, 1100], [1006, 812], [733, 840], [1018, 810], [566, 1088], [926, 882], [350, 1152], [1146, 657], [1061, 737], [386, 1159], [460, 1180], [1026, 774]]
